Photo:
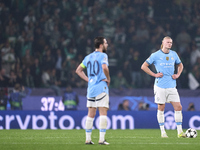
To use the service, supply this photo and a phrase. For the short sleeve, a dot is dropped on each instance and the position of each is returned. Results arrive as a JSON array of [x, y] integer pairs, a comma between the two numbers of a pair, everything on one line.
[[105, 60], [177, 60], [150, 60]]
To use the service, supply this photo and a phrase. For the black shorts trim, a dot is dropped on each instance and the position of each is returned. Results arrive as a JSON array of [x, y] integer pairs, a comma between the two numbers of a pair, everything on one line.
[[93, 100]]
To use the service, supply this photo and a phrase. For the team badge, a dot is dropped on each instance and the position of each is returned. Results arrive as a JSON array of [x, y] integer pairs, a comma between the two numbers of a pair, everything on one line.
[[172, 58], [167, 58]]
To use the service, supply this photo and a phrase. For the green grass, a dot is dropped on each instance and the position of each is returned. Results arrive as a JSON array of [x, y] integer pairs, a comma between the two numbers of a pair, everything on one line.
[[138, 139]]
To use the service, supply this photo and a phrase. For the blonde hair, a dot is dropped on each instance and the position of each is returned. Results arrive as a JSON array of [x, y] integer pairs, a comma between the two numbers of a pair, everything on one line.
[[166, 37]]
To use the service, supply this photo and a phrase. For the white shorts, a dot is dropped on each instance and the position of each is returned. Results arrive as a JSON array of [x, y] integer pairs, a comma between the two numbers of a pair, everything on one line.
[[168, 95], [101, 100]]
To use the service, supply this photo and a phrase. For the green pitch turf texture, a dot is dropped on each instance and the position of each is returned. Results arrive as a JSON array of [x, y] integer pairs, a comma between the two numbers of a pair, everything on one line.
[[138, 139]]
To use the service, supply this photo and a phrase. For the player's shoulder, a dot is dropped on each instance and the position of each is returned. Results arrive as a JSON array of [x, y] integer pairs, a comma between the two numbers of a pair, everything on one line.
[[89, 55], [156, 53], [173, 52], [103, 54]]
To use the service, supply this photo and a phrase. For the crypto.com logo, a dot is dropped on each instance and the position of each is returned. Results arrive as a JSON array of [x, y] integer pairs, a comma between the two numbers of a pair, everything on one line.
[[170, 121]]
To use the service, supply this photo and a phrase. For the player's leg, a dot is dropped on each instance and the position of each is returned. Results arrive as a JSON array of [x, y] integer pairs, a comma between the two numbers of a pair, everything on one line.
[[161, 119], [103, 105], [89, 124], [174, 99], [160, 99], [178, 118], [102, 125], [91, 104]]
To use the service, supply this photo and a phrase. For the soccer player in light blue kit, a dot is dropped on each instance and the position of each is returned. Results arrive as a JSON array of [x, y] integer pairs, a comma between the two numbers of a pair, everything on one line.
[[165, 83], [98, 79]]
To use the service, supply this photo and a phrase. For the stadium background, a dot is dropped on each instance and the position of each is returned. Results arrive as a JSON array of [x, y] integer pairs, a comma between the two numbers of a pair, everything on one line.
[[43, 41]]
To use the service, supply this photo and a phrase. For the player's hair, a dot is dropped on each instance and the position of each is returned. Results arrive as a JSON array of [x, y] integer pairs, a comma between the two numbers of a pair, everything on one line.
[[98, 41], [166, 37]]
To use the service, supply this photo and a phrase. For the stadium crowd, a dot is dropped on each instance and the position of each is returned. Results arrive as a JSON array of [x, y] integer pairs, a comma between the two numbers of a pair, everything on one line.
[[43, 41]]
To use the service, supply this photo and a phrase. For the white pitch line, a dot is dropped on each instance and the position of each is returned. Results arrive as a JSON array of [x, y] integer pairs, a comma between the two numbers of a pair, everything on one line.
[[110, 143]]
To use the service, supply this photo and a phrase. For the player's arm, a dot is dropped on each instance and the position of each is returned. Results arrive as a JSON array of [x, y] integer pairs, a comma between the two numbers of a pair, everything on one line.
[[81, 73], [145, 68], [179, 71], [107, 74]]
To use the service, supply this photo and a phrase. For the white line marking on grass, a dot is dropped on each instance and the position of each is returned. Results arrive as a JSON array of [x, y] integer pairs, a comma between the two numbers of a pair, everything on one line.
[[110, 143]]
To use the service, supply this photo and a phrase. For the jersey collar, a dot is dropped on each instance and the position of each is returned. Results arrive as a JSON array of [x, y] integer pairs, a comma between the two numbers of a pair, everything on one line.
[[163, 52]]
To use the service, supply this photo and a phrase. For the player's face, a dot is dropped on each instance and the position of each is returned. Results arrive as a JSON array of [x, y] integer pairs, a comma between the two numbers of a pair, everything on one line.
[[105, 45], [167, 43]]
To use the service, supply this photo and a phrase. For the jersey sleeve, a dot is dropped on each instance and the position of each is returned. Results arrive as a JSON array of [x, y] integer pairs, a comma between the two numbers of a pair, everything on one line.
[[150, 60], [105, 60], [84, 63], [177, 60]]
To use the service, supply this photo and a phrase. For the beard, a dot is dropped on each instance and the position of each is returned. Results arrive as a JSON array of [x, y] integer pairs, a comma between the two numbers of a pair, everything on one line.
[[104, 50]]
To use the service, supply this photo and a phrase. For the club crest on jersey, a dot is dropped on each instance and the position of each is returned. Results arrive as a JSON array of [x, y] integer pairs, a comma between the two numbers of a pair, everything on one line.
[[172, 58], [167, 58]]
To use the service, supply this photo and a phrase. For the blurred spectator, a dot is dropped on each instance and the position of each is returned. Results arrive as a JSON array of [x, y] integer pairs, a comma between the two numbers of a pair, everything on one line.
[[30, 17], [54, 83], [16, 97], [3, 99], [142, 36], [195, 53], [113, 59], [9, 56], [143, 106], [191, 107], [120, 37], [183, 40], [5, 49], [197, 37], [70, 99], [18, 71], [4, 79], [119, 81], [135, 62], [124, 106], [28, 79], [27, 60], [36, 72], [48, 61], [13, 79], [196, 70], [59, 61], [45, 77]]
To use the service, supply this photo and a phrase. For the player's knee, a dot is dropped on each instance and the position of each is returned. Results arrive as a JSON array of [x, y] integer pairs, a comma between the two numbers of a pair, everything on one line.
[[178, 108], [161, 107], [91, 114]]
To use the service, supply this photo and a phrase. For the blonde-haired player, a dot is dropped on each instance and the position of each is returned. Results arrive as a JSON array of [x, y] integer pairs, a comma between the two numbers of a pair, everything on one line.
[[165, 83]]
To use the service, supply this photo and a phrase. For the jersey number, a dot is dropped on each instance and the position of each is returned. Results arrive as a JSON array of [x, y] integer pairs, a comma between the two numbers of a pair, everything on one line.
[[94, 68]]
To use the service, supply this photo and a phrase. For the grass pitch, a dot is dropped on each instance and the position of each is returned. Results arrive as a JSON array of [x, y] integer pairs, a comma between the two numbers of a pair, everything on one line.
[[138, 139]]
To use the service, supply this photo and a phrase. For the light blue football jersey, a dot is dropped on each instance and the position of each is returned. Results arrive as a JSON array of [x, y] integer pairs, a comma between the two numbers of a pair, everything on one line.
[[93, 62], [164, 63]]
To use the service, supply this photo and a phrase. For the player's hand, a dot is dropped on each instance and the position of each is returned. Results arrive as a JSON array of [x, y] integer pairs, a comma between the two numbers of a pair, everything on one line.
[[175, 76], [159, 75], [107, 81]]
